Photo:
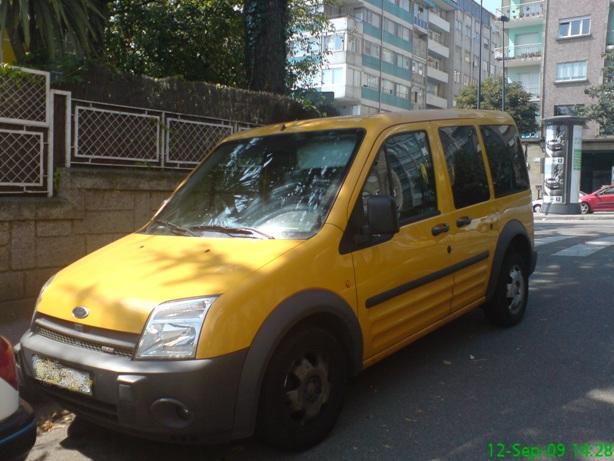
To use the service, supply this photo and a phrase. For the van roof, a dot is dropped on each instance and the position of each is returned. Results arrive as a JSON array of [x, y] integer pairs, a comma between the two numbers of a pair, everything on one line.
[[378, 121]]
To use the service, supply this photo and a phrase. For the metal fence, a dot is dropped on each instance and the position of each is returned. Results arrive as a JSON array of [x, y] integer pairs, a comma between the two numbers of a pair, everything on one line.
[[117, 135], [25, 131], [94, 133]]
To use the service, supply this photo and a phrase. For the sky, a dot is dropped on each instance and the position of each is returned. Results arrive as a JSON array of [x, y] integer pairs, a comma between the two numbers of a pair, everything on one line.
[[491, 5]]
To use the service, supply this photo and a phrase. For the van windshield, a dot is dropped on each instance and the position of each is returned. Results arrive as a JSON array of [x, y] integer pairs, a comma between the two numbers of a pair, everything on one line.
[[279, 186]]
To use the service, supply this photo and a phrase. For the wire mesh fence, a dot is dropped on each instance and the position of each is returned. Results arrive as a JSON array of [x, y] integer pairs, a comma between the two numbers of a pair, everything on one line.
[[24, 96], [21, 158], [116, 135]]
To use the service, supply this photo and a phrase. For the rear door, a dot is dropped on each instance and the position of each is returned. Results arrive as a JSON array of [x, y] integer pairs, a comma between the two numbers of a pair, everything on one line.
[[473, 219], [606, 200]]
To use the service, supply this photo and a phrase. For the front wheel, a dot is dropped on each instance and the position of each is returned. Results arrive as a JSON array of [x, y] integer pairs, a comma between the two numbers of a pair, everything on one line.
[[585, 208], [303, 390], [537, 208], [509, 302]]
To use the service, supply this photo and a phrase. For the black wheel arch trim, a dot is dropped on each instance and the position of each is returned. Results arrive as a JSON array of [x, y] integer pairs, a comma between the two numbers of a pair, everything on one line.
[[282, 319], [511, 230]]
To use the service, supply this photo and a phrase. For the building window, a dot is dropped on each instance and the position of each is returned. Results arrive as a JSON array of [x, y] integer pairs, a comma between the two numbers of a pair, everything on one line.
[[371, 49], [571, 71], [417, 68], [388, 56], [567, 109], [370, 81], [333, 42], [332, 76], [402, 91], [403, 61], [457, 76], [575, 27], [403, 33], [387, 86], [368, 16], [390, 26]]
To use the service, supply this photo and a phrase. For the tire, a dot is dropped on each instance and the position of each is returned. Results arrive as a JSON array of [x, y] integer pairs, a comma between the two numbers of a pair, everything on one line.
[[509, 302], [537, 208], [585, 208], [303, 390]]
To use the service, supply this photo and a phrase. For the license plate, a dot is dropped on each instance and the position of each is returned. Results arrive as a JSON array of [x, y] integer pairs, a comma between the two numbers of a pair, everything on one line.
[[52, 372]]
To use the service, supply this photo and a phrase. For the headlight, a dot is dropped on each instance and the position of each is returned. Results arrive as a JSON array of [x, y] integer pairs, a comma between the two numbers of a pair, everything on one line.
[[173, 329]]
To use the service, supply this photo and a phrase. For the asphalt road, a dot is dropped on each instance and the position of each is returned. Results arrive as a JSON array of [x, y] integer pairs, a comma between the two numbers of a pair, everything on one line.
[[446, 397]]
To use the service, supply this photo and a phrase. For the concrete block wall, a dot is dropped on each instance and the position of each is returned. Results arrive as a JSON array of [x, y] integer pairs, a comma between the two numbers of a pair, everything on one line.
[[93, 207]]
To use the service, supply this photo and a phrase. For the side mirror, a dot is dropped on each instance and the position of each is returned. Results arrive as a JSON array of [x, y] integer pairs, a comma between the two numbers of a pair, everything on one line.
[[382, 215]]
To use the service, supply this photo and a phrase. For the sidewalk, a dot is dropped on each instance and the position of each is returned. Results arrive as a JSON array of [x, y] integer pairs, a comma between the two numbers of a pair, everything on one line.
[[574, 217]]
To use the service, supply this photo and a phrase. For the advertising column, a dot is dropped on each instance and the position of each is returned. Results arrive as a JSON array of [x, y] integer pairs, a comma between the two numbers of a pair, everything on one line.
[[562, 164]]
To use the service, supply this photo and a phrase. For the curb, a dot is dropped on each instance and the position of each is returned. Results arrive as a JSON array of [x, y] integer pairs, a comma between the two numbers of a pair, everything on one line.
[[578, 217]]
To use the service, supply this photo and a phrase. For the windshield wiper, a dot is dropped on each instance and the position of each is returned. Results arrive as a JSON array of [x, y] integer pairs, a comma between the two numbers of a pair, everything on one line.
[[176, 229], [233, 231]]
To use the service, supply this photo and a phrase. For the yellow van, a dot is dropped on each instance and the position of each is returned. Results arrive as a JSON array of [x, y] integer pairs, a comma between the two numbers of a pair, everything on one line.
[[293, 256]]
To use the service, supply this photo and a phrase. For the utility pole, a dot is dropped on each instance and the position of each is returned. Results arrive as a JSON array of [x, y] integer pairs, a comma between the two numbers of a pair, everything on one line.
[[479, 95], [503, 20], [381, 58]]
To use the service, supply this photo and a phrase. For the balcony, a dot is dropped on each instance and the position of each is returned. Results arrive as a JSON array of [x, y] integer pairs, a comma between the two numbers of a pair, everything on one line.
[[436, 101], [520, 55], [524, 14], [438, 48], [439, 22], [437, 74]]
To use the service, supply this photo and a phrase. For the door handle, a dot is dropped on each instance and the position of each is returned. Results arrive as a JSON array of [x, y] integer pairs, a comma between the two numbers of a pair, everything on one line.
[[440, 229], [463, 221]]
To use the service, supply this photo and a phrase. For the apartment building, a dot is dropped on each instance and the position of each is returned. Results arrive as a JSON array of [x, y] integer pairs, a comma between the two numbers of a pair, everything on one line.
[[523, 48], [391, 55], [554, 48], [577, 36]]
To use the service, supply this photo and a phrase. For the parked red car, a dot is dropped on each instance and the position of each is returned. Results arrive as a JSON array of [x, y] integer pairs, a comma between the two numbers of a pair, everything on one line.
[[600, 200]]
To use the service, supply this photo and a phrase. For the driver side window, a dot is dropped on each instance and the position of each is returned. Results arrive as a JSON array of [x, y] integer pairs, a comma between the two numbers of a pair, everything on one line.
[[404, 169]]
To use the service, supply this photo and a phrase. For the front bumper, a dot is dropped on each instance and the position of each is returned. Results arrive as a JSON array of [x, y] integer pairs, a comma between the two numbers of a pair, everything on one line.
[[17, 433], [178, 401]]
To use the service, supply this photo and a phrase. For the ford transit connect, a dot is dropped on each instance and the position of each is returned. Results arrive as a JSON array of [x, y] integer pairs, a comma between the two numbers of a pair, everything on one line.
[[291, 258]]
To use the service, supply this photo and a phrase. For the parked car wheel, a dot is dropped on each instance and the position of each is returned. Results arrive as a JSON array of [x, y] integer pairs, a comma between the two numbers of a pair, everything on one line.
[[537, 208], [509, 302], [303, 390], [585, 208]]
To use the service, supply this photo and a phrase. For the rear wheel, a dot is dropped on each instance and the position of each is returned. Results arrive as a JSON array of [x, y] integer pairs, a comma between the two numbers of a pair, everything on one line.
[[303, 390], [509, 302], [585, 208]]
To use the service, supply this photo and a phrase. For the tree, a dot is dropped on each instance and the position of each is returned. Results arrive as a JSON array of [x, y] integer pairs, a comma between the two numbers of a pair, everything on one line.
[[46, 29], [195, 39], [266, 44], [517, 102], [602, 111]]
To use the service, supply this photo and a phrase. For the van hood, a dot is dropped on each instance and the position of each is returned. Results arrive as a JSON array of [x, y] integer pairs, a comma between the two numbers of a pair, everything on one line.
[[121, 283]]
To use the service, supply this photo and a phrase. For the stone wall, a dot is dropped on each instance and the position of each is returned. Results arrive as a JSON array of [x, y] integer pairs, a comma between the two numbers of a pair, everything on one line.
[[39, 236]]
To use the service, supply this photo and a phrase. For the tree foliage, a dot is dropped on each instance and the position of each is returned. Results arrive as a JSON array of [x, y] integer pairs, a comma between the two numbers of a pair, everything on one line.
[[517, 102], [44, 30], [602, 111], [195, 39]]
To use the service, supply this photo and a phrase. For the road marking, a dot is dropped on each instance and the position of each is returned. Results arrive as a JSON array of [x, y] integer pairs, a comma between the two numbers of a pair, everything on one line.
[[554, 238], [587, 248]]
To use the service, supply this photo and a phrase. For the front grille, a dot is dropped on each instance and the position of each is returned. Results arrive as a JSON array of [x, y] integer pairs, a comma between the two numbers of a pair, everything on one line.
[[65, 339]]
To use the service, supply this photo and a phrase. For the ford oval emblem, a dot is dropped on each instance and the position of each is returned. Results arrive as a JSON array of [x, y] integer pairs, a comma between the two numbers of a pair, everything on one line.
[[80, 312]]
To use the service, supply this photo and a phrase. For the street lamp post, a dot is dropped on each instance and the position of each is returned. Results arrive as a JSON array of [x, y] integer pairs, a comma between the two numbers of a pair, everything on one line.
[[503, 18], [480, 65]]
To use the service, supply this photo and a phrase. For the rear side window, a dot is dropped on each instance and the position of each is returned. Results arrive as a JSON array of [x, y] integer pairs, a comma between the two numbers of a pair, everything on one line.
[[465, 165], [507, 162]]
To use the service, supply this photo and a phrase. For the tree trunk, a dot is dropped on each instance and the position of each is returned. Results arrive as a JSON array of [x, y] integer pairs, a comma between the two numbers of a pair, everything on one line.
[[17, 44], [266, 25]]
